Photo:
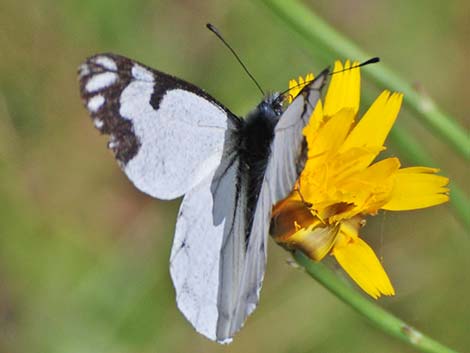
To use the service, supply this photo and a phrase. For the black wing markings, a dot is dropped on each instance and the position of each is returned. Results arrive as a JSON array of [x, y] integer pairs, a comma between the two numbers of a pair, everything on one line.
[[107, 117]]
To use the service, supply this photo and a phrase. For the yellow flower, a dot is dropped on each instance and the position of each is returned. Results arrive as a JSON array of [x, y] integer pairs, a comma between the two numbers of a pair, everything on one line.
[[340, 184], [295, 87]]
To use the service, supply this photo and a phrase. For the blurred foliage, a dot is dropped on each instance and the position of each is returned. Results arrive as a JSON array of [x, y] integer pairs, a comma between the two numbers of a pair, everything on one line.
[[84, 256]]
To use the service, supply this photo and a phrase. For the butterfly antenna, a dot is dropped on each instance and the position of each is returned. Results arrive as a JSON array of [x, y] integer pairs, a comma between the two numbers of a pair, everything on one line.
[[373, 60], [217, 33]]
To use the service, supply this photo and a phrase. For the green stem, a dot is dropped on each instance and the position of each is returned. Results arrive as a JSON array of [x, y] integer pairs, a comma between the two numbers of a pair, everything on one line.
[[318, 35], [378, 316]]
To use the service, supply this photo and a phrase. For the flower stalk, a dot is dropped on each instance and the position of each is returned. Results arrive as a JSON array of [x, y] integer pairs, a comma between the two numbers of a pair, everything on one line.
[[379, 317]]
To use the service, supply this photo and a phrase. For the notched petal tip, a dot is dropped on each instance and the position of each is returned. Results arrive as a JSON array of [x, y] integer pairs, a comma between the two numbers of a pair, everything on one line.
[[296, 86], [416, 188], [344, 89]]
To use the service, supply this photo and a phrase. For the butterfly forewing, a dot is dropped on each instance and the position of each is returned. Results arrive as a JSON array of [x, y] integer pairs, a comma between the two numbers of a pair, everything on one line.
[[167, 134], [287, 149]]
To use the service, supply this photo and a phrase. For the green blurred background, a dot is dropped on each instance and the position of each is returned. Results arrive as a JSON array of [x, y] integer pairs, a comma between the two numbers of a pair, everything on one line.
[[84, 255]]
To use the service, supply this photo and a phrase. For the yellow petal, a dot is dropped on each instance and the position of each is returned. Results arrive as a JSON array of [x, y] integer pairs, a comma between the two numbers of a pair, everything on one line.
[[287, 216], [360, 262], [417, 187], [294, 227], [369, 189], [373, 128], [314, 123], [314, 241], [329, 137], [352, 161], [323, 142], [296, 86], [344, 89]]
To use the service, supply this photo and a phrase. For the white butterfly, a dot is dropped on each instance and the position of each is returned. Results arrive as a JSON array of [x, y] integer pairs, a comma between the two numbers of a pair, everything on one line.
[[173, 139]]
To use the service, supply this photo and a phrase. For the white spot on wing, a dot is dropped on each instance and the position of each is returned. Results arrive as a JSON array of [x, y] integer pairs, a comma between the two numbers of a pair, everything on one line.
[[106, 62], [95, 103], [84, 70], [101, 81], [98, 123], [113, 143], [141, 73]]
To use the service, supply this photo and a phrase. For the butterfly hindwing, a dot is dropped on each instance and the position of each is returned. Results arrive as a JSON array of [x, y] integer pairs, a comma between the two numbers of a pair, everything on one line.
[[208, 252], [166, 134]]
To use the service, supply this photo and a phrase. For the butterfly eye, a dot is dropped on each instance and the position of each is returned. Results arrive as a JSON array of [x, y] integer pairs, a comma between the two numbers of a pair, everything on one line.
[[273, 105], [278, 105]]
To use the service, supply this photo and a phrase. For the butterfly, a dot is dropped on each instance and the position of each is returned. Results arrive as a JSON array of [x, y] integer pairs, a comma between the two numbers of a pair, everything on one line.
[[172, 139]]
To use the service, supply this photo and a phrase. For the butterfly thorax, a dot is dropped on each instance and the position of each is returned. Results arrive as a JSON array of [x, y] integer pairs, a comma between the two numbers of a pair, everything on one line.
[[256, 136], [257, 131]]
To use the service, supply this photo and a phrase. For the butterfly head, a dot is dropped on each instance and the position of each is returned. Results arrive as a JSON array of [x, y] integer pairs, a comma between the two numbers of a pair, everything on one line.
[[271, 107]]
